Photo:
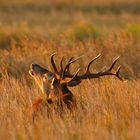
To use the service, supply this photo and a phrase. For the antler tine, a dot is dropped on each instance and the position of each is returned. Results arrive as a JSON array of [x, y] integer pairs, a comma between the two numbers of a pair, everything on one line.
[[108, 71], [112, 65], [118, 73], [67, 66], [71, 59], [74, 75], [87, 70], [53, 63], [61, 65], [71, 79]]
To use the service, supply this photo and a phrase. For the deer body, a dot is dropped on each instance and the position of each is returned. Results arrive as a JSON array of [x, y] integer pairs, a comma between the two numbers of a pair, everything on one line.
[[54, 85]]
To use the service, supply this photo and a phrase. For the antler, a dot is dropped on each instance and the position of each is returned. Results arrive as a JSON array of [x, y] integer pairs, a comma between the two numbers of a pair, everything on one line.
[[63, 73], [89, 75], [62, 70], [66, 69], [74, 79], [53, 63]]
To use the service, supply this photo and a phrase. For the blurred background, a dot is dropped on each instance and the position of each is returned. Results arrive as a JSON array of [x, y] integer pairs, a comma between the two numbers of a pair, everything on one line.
[[108, 26], [76, 19]]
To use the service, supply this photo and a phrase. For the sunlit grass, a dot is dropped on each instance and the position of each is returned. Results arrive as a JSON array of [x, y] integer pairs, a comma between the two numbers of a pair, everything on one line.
[[106, 109]]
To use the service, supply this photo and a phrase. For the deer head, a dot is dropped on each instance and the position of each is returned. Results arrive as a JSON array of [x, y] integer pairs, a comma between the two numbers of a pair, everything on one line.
[[54, 85]]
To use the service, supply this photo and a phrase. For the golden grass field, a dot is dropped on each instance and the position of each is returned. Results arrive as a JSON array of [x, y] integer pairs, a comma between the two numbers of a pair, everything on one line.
[[107, 109]]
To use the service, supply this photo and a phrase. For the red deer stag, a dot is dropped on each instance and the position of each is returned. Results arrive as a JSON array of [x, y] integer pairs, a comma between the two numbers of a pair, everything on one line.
[[54, 85]]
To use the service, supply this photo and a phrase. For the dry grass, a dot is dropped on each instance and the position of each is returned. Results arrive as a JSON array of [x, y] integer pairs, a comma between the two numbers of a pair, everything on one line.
[[107, 108], [30, 32]]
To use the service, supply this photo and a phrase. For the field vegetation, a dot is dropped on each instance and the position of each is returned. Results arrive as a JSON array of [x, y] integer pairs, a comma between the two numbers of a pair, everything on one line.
[[30, 31]]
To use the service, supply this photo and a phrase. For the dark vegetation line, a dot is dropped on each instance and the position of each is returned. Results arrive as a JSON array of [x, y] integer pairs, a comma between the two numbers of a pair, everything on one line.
[[133, 8]]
